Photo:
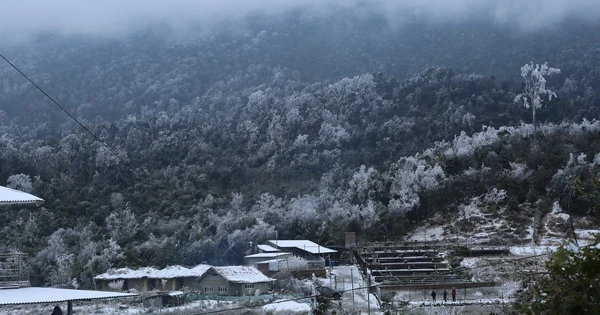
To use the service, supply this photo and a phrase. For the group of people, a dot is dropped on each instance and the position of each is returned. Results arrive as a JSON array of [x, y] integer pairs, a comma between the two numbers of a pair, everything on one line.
[[453, 293]]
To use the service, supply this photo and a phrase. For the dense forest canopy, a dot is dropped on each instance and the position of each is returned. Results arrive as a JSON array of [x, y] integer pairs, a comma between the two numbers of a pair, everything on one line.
[[309, 123]]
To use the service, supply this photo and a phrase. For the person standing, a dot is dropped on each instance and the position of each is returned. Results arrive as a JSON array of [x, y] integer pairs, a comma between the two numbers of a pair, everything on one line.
[[57, 311], [433, 295], [445, 295], [453, 295]]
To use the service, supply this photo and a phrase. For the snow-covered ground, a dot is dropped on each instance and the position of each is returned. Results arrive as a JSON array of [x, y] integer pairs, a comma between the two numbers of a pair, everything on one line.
[[531, 250], [431, 234], [287, 306]]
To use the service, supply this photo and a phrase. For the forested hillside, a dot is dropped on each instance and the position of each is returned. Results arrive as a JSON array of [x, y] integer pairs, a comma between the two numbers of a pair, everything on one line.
[[226, 135]]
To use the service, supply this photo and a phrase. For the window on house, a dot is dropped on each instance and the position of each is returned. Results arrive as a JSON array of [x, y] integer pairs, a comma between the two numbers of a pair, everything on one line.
[[249, 286], [208, 289], [222, 289]]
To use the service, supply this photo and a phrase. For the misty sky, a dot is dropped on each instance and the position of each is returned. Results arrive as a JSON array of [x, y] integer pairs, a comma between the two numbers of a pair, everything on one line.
[[24, 18]]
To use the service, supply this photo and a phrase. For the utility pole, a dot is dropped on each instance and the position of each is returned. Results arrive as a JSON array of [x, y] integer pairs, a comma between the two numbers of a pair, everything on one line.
[[352, 281], [368, 291]]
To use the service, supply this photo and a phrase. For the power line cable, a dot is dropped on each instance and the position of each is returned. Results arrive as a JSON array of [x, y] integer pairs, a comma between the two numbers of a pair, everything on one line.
[[73, 117]]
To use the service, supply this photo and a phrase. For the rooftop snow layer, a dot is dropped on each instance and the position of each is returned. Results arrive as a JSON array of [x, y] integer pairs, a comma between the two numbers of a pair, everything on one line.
[[10, 196], [268, 255], [242, 274], [52, 295], [148, 272], [305, 245]]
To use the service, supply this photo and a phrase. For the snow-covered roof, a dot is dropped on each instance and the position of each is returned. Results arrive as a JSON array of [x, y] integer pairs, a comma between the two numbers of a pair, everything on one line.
[[10, 196], [180, 272], [242, 274], [267, 248], [113, 274], [149, 272], [200, 270], [126, 273], [52, 295], [304, 245], [270, 261], [268, 255]]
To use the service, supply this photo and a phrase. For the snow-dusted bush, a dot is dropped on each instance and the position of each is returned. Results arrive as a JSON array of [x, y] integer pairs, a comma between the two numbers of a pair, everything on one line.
[[495, 196], [116, 285]]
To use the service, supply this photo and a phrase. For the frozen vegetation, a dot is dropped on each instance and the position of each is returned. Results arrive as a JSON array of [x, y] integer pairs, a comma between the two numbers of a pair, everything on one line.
[[298, 120]]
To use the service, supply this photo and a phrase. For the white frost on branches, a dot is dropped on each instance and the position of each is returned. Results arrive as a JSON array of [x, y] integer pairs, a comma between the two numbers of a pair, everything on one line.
[[465, 145], [361, 183], [20, 182], [414, 175], [518, 171], [116, 285], [535, 86], [495, 196]]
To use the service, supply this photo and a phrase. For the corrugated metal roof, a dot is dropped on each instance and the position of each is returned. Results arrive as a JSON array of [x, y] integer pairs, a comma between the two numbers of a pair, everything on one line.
[[53, 295], [10, 196]]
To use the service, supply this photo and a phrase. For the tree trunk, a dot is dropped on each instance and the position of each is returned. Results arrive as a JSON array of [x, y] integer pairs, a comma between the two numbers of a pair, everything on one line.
[[534, 125]]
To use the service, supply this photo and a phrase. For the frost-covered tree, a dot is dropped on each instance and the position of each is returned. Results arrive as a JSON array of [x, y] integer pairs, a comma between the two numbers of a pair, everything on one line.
[[535, 88], [122, 226], [361, 183], [413, 175], [20, 182]]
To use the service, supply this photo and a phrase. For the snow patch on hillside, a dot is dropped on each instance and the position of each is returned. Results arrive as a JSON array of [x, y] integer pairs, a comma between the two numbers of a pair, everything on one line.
[[428, 234]]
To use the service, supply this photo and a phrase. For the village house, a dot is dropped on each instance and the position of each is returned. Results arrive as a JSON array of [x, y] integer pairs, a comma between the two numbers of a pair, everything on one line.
[[206, 279], [235, 281], [317, 255], [124, 279], [263, 248], [270, 267], [147, 279], [192, 280]]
